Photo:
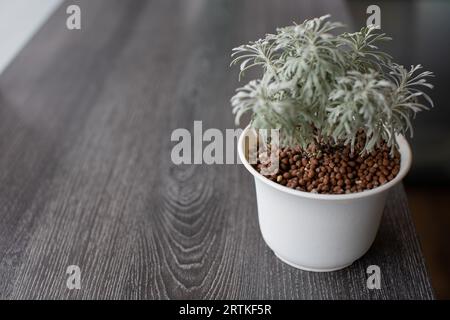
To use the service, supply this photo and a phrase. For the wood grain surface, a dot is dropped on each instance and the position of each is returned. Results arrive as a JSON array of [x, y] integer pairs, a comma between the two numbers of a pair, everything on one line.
[[86, 177]]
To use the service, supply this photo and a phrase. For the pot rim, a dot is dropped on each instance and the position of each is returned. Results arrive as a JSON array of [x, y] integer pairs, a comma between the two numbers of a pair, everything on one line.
[[405, 165]]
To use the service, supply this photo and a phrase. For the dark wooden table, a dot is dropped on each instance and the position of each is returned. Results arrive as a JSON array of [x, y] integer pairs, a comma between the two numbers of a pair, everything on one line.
[[86, 178]]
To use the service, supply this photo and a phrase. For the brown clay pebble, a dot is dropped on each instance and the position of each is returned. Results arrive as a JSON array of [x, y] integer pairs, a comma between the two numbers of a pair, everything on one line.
[[333, 170], [286, 175]]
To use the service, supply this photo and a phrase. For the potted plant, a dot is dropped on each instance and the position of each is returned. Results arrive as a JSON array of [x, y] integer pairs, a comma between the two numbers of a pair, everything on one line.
[[341, 108]]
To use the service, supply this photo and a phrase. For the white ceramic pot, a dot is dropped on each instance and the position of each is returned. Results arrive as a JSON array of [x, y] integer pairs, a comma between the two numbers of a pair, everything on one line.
[[320, 232]]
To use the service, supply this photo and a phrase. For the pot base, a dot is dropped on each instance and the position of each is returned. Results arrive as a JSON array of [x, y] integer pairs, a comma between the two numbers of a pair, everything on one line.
[[297, 266]]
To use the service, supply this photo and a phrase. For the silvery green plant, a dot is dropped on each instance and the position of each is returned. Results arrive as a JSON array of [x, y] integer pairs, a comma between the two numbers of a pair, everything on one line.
[[318, 87]]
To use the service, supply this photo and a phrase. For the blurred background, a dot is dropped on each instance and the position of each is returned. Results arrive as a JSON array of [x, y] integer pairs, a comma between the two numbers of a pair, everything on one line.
[[421, 30]]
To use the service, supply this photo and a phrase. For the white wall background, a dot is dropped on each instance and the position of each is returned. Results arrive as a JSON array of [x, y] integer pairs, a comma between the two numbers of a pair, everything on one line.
[[19, 20]]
